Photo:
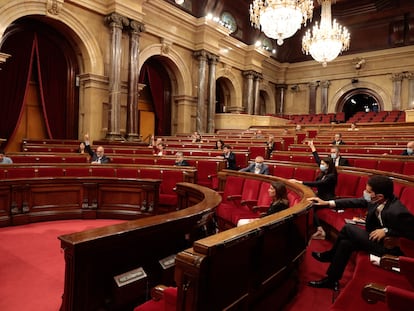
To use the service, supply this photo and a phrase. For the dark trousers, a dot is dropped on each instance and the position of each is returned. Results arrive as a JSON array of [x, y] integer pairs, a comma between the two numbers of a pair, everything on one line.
[[353, 238]]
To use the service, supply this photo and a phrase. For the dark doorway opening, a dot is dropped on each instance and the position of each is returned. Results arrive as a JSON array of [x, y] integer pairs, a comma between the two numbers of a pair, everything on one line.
[[360, 100]]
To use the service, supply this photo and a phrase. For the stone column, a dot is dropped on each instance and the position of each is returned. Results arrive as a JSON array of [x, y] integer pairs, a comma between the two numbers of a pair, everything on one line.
[[410, 77], [256, 88], [280, 98], [248, 98], [396, 90], [211, 112], [324, 97], [116, 22], [312, 97], [132, 121], [201, 109]]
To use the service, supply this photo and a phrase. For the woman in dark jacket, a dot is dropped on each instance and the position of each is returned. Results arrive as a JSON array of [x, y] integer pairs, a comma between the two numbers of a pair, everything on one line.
[[325, 184]]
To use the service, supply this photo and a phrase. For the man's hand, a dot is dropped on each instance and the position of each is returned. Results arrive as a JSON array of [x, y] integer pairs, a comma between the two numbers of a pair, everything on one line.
[[318, 201], [377, 235]]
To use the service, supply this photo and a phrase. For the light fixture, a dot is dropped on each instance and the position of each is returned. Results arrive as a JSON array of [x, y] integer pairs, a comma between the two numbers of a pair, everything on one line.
[[179, 1], [280, 19], [326, 41]]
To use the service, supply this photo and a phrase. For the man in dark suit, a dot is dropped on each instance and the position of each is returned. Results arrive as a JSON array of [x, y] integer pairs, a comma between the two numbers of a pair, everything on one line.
[[258, 167], [230, 157], [179, 159], [386, 216], [97, 157], [335, 155], [410, 149], [338, 140]]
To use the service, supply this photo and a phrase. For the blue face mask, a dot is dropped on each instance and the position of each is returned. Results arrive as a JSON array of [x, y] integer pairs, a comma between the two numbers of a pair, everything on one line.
[[367, 196], [333, 156], [323, 167], [410, 151]]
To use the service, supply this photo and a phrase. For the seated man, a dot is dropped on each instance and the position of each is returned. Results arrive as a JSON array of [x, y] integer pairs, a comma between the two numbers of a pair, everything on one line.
[[4, 159], [335, 155], [258, 167], [386, 216], [97, 157], [338, 140], [179, 159], [410, 149]]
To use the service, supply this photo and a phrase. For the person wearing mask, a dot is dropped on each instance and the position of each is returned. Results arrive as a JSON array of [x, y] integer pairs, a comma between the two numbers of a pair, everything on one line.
[[258, 167], [386, 216], [4, 159], [325, 184], [335, 155], [97, 157], [230, 157], [278, 193], [338, 140], [410, 149], [160, 151], [179, 159]]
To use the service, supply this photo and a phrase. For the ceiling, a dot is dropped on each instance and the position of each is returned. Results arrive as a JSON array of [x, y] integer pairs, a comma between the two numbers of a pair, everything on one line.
[[373, 24]]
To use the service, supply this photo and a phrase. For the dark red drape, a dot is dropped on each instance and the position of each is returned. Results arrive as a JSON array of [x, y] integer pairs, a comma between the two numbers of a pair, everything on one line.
[[154, 82], [14, 80]]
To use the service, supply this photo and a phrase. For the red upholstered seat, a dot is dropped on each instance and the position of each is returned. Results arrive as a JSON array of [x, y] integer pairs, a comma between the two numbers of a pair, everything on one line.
[[50, 172], [366, 163], [408, 168], [293, 197], [126, 172], [168, 196], [398, 299], [102, 171], [304, 173], [347, 185], [391, 166], [21, 172], [283, 171], [167, 302], [77, 171], [406, 198]]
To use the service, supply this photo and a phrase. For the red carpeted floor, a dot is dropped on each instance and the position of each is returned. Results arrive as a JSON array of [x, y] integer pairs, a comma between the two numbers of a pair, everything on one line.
[[32, 264], [32, 268]]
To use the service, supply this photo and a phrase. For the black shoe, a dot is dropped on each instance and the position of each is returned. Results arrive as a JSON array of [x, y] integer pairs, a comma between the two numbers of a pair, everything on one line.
[[325, 283], [322, 257]]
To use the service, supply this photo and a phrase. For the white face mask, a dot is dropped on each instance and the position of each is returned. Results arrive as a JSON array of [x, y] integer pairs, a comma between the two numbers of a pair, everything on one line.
[[367, 196], [410, 150], [323, 168], [333, 156]]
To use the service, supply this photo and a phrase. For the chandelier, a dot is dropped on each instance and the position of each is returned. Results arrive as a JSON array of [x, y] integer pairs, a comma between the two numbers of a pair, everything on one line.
[[326, 41], [280, 19]]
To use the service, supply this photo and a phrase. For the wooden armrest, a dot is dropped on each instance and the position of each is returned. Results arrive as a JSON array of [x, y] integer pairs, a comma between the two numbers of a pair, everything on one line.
[[391, 242], [389, 262], [157, 292], [249, 203], [373, 292], [234, 197]]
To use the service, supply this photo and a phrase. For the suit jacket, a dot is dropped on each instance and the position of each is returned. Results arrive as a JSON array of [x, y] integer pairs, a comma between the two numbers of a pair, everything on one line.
[[182, 163], [264, 169], [277, 206], [94, 157], [231, 161], [340, 142], [405, 153], [395, 216], [342, 161], [326, 186]]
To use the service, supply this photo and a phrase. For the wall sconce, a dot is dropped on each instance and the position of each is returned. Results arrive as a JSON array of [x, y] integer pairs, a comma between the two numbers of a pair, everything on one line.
[[179, 2]]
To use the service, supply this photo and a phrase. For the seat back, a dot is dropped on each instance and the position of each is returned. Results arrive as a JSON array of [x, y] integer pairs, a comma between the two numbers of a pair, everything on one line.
[[233, 186], [251, 189], [347, 185]]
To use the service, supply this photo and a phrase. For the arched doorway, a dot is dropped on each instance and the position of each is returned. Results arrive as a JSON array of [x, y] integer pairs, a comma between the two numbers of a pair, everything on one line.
[[155, 99], [359, 99], [38, 83], [223, 94]]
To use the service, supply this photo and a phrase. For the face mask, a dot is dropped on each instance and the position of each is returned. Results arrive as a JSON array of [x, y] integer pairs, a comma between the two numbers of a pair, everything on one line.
[[333, 156], [367, 196], [410, 150], [323, 168], [258, 165]]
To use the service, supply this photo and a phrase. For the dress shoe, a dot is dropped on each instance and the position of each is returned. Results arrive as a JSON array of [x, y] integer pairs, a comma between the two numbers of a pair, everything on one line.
[[325, 283], [322, 257]]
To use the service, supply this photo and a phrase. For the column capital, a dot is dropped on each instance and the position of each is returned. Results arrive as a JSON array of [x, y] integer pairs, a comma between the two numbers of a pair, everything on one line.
[[213, 59], [281, 86], [116, 20], [409, 75], [252, 74], [136, 27], [325, 84], [313, 85], [201, 55], [397, 77]]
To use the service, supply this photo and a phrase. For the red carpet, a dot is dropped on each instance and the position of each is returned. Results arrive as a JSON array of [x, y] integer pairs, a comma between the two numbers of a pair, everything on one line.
[[32, 268], [316, 299], [32, 264]]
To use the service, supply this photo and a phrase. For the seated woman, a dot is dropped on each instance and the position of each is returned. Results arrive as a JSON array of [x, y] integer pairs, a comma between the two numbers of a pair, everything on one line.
[[81, 148], [219, 144], [325, 184], [278, 193]]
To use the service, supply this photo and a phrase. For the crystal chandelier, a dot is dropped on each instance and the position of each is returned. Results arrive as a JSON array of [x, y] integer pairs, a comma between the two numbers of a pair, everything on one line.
[[280, 19], [326, 41]]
